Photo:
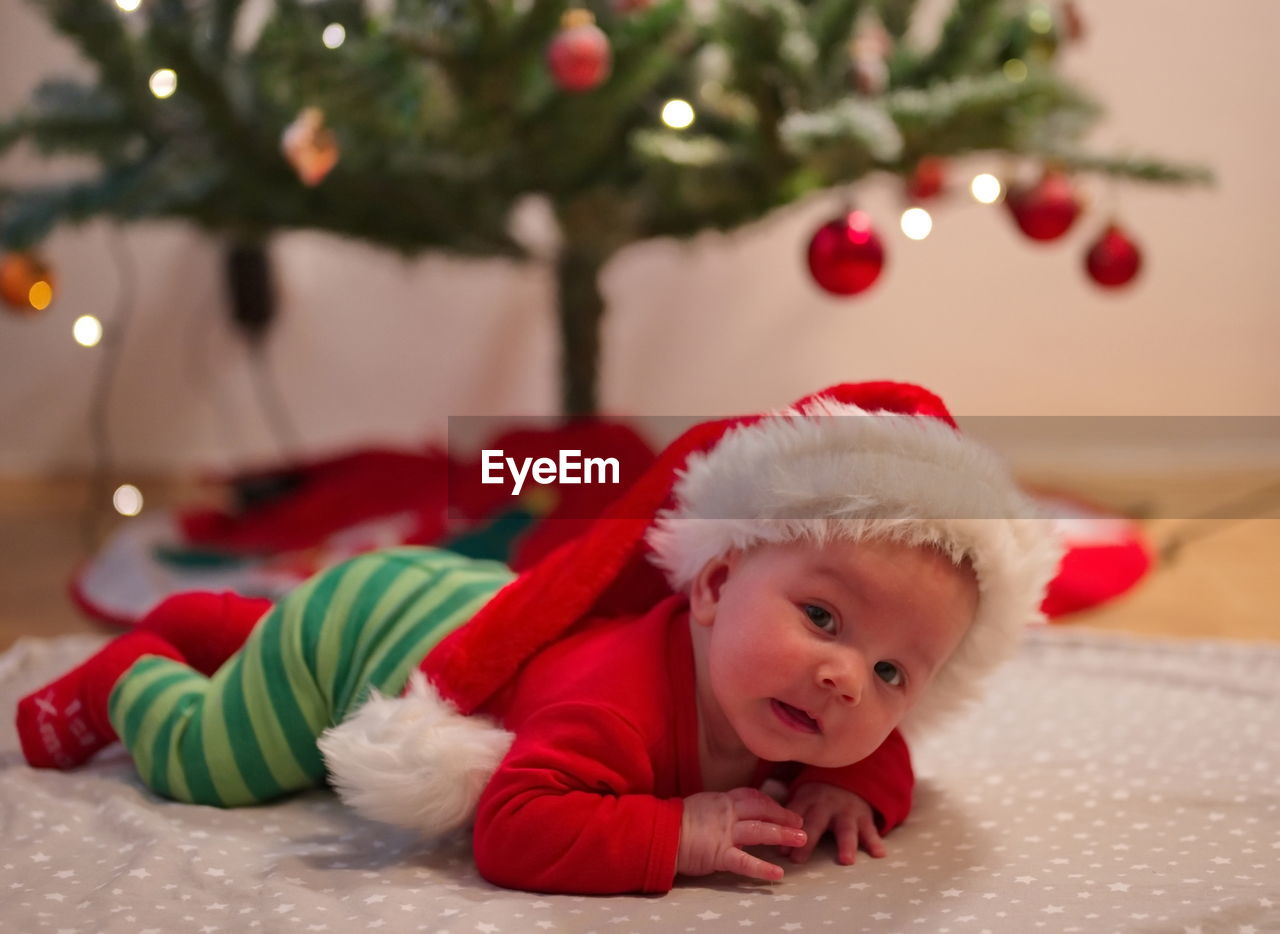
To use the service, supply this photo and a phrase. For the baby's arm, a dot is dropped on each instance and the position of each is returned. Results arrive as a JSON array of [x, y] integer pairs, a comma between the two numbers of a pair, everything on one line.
[[572, 808]]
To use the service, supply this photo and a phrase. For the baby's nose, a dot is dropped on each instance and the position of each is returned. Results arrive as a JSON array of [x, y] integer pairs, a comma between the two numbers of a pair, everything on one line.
[[848, 691]]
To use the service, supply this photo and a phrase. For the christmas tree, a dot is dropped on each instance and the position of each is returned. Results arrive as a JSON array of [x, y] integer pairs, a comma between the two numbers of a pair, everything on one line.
[[421, 124]]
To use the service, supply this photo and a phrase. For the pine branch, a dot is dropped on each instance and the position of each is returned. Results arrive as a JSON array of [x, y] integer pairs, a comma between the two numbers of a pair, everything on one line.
[[97, 30], [680, 150], [30, 214], [896, 16], [1139, 168], [757, 34], [171, 35], [980, 113], [967, 44], [109, 140], [846, 140], [831, 26], [11, 131], [222, 26]]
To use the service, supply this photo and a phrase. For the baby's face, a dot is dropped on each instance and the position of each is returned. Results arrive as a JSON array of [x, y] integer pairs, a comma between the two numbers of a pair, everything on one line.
[[816, 653]]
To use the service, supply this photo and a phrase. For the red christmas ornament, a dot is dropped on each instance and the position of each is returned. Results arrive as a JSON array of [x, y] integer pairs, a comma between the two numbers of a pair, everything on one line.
[[1047, 210], [845, 254], [1114, 259], [26, 283], [1072, 22], [579, 56], [927, 179]]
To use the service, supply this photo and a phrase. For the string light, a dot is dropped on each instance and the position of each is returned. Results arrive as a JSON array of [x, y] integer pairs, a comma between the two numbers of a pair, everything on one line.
[[986, 188], [40, 295], [916, 223], [677, 114], [163, 83], [128, 6], [127, 499], [333, 36], [1040, 19], [87, 331], [1015, 69]]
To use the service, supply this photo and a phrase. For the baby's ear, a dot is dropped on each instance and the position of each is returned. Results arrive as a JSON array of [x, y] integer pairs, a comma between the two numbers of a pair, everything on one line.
[[704, 591]]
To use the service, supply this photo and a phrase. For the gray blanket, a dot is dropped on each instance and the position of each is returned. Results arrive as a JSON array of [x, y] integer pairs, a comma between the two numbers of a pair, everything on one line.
[[1105, 784]]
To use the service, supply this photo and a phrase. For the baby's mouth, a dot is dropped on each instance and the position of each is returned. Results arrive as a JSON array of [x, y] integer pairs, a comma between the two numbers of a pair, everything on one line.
[[794, 717]]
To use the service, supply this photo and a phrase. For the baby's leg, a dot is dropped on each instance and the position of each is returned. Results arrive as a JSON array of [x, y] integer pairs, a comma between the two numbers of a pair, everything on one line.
[[244, 736], [248, 734]]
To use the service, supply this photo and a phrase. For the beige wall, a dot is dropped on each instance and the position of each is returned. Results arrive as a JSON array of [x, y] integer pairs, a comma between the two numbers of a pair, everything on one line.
[[371, 348]]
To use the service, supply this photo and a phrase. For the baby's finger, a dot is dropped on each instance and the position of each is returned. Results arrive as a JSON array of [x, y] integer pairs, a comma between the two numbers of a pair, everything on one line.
[[870, 836], [744, 864], [846, 829], [759, 806], [763, 833], [815, 825]]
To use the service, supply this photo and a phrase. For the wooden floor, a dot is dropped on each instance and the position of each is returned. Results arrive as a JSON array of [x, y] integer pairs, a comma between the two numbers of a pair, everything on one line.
[[1225, 583]]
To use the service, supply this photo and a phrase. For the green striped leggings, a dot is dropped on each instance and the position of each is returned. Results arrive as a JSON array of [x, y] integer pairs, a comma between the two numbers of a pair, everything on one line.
[[248, 734]]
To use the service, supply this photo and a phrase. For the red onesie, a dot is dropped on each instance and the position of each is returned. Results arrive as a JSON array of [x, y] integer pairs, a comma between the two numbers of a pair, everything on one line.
[[589, 799]]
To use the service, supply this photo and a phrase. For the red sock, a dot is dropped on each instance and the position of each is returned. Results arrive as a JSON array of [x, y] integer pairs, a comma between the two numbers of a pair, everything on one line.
[[65, 722], [207, 628]]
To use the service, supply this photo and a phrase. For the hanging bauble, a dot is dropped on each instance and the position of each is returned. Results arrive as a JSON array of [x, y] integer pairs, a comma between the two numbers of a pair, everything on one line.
[[1113, 260], [309, 146], [927, 179], [845, 254], [26, 283], [1047, 209], [1073, 27], [869, 54], [579, 56]]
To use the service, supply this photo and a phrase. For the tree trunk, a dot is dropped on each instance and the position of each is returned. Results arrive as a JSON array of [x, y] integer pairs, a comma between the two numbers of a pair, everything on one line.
[[251, 289], [581, 308]]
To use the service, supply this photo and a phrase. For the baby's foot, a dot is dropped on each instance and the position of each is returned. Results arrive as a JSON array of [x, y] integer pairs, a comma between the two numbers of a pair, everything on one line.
[[65, 722]]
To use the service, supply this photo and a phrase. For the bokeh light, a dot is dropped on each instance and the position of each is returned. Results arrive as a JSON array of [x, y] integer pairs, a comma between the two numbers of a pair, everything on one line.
[[333, 36], [916, 223], [163, 83], [87, 331], [677, 114], [127, 499], [986, 188]]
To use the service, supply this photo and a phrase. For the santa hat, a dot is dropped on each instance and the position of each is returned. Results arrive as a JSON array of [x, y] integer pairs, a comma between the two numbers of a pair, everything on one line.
[[857, 461]]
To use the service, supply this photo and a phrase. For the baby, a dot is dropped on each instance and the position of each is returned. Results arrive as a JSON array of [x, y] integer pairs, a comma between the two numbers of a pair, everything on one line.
[[827, 573]]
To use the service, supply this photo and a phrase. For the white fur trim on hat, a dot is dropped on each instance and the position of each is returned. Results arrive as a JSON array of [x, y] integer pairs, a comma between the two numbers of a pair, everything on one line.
[[414, 761], [836, 471]]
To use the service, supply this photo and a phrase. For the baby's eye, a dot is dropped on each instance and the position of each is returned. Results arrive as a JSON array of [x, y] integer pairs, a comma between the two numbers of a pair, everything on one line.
[[820, 617], [889, 673]]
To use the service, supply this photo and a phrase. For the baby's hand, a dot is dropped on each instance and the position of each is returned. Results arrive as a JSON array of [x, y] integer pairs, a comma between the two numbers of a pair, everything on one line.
[[717, 824], [826, 807]]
